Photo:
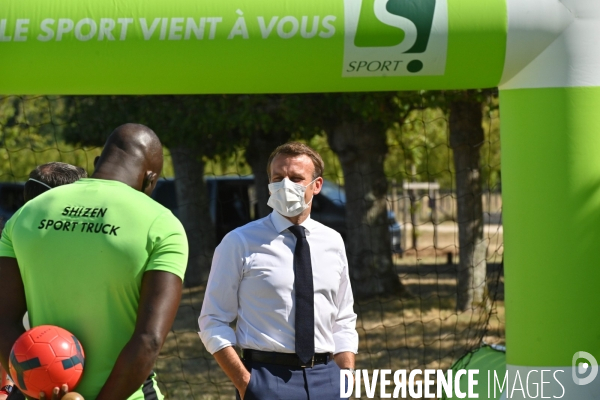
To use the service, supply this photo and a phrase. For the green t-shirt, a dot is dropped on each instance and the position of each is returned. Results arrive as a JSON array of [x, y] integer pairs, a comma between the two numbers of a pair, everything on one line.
[[82, 250]]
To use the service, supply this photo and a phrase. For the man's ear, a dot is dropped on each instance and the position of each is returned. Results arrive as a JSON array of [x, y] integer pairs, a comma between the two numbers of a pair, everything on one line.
[[318, 185], [149, 182]]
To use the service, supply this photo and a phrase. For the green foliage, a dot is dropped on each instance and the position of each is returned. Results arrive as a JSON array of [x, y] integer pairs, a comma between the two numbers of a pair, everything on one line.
[[313, 113], [333, 169], [418, 133], [419, 150], [200, 122], [216, 127], [31, 133], [234, 164], [418, 144], [39, 129], [203, 123]]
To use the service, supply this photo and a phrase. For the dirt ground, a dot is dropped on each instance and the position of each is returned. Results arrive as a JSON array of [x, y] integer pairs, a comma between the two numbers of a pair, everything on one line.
[[424, 331], [434, 243]]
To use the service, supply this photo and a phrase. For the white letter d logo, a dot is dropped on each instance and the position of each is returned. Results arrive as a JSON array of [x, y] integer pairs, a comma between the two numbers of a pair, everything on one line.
[[583, 367]]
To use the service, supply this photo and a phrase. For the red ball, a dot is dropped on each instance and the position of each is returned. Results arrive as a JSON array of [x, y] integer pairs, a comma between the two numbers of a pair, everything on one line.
[[46, 357]]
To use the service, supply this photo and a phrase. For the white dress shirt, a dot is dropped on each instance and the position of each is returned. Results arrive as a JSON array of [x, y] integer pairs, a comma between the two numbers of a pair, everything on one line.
[[252, 279]]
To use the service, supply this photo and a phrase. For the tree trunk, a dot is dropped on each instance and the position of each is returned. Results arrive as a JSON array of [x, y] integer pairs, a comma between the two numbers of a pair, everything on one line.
[[257, 155], [192, 198], [361, 148], [466, 138]]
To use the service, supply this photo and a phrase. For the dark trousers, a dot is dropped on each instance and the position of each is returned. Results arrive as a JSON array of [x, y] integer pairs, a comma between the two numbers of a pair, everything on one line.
[[276, 382]]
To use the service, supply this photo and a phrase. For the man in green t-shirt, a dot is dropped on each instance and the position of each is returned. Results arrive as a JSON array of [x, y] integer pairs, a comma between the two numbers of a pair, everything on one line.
[[103, 260]]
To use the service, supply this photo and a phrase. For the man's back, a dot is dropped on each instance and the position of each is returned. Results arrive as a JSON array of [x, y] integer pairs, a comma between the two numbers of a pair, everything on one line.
[[82, 251]]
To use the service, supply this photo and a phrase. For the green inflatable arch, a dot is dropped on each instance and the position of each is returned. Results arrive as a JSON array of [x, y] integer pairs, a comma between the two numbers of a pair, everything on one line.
[[543, 54]]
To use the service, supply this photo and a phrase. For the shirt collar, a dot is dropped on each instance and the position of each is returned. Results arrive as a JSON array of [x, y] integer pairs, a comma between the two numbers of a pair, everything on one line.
[[281, 223]]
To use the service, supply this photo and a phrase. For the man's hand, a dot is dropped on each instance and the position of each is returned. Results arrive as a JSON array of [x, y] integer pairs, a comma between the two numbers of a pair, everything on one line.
[[234, 368], [159, 301], [57, 393], [244, 385], [345, 360]]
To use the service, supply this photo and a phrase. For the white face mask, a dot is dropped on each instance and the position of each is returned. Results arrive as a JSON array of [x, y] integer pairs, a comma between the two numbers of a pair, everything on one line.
[[287, 197]]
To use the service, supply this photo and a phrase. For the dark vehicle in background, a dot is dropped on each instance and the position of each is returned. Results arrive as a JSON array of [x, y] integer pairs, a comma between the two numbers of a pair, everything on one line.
[[329, 208], [232, 203], [11, 198]]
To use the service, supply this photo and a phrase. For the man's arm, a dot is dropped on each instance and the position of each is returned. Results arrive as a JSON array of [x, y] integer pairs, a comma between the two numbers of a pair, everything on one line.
[[345, 336], [159, 301], [233, 367], [345, 359], [220, 307], [12, 307]]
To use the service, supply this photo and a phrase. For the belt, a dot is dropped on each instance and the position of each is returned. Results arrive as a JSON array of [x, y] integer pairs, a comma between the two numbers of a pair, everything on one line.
[[287, 359]]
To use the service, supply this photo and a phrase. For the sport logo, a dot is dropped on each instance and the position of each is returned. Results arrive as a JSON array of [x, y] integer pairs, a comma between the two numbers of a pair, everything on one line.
[[395, 37]]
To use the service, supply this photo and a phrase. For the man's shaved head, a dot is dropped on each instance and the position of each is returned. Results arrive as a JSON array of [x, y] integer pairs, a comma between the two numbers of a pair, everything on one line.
[[137, 141], [133, 155]]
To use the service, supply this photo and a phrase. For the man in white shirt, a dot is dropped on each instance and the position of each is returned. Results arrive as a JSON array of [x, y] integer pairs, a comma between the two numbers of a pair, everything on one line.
[[282, 277]]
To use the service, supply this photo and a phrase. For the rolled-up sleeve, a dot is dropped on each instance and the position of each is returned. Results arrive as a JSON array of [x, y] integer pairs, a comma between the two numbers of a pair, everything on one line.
[[345, 336], [220, 305]]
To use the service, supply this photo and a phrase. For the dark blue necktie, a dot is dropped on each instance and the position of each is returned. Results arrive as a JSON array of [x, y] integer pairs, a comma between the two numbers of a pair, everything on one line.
[[305, 296]]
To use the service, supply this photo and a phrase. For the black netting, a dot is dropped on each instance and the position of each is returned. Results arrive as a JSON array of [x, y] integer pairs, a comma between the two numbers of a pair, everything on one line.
[[443, 308]]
